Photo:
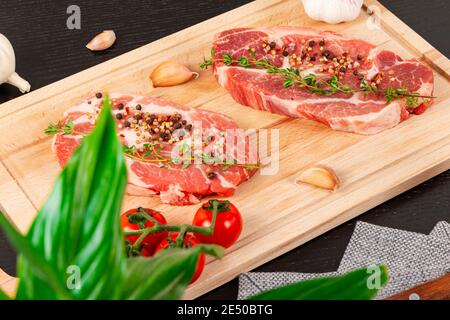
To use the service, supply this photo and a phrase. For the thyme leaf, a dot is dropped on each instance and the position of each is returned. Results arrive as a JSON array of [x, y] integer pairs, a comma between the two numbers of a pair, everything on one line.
[[53, 128], [293, 77]]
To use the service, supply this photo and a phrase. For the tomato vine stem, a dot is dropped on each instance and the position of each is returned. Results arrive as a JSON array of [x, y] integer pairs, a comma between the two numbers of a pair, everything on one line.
[[183, 229]]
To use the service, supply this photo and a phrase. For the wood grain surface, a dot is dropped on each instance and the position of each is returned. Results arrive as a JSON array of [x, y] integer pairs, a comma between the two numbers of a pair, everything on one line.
[[438, 289], [334, 251]]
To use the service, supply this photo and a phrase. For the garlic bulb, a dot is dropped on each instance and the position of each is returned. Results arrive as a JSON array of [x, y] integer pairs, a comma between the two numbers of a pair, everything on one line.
[[8, 66], [333, 11]]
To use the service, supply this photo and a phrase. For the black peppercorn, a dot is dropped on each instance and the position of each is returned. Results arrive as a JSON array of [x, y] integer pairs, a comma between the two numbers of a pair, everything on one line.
[[127, 123], [119, 116], [312, 43], [120, 106], [138, 117], [359, 57], [327, 54], [313, 58], [273, 45], [189, 127], [212, 175], [162, 135], [99, 95], [138, 107], [322, 43], [177, 125], [285, 53], [355, 72], [183, 122], [342, 69]]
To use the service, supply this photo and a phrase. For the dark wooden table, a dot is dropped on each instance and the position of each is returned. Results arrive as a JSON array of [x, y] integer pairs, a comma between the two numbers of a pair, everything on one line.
[[47, 51]]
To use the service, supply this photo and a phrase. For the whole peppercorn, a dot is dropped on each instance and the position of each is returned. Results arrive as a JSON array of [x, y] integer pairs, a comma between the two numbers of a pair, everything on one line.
[[342, 69], [120, 106], [183, 122], [127, 124], [313, 58], [322, 43], [273, 45], [139, 107], [98, 95], [355, 72], [359, 57], [138, 117], [285, 53], [177, 125], [212, 175], [327, 54], [119, 116], [189, 127], [312, 43], [149, 122]]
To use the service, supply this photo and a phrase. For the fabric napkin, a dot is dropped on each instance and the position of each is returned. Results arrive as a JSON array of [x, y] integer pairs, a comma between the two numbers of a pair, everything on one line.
[[412, 258]]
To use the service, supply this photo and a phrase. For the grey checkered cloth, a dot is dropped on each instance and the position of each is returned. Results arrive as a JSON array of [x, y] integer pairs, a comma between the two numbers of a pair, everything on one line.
[[412, 258]]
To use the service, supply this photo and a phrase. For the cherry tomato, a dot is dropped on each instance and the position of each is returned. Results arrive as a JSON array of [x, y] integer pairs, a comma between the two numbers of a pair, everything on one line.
[[134, 219], [191, 241], [420, 109], [228, 225]]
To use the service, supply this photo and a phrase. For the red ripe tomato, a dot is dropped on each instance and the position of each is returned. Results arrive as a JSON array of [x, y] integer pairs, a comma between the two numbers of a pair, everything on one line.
[[134, 219], [228, 225], [189, 241], [420, 109]]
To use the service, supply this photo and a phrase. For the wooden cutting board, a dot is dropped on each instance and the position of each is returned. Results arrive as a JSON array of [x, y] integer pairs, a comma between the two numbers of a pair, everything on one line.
[[278, 214]]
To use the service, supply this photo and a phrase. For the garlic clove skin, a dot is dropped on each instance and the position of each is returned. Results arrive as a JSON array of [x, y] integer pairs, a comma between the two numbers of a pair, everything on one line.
[[102, 41], [17, 81], [319, 176], [333, 11], [170, 73], [8, 66]]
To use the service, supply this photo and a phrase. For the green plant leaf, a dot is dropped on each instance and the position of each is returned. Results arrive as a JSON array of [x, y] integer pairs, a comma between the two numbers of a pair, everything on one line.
[[42, 269], [165, 276], [78, 225], [4, 296], [349, 286]]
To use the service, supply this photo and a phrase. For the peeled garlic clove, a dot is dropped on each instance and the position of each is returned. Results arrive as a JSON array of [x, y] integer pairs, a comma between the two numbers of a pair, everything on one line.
[[319, 176], [102, 41], [171, 74]]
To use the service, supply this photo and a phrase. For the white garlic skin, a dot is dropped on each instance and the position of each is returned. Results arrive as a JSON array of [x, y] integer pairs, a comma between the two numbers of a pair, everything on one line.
[[333, 11], [8, 66], [102, 41]]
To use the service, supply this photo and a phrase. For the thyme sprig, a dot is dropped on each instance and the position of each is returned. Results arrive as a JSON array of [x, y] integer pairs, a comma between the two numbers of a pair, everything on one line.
[[319, 86], [67, 128], [151, 153]]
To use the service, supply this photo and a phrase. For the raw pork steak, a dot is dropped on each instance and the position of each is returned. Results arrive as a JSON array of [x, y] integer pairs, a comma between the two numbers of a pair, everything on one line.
[[312, 51], [136, 116]]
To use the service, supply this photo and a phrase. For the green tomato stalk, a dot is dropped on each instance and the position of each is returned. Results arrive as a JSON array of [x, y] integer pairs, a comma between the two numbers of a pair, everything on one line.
[[183, 229]]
